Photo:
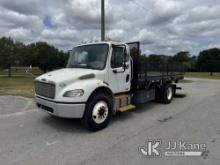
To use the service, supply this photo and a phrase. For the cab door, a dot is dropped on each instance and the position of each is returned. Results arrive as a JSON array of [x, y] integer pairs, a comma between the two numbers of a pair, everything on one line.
[[120, 70]]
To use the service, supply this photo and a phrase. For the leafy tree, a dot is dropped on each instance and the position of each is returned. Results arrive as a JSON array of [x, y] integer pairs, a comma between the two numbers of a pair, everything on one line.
[[7, 53], [45, 56], [192, 64], [28, 55], [182, 56], [154, 58], [18, 52], [157, 58], [39, 54], [49, 57], [209, 60], [62, 59]]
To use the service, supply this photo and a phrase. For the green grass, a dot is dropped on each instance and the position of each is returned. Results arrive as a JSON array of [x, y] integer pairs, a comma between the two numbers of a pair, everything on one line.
[[20, 84], [205, 75], [21, 72], [17, 86]]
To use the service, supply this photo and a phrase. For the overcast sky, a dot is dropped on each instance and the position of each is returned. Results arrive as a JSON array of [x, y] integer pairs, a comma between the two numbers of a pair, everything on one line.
[[162, 26]]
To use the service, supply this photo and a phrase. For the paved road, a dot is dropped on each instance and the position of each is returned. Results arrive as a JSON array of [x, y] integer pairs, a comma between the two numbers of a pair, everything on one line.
[[29, 136]]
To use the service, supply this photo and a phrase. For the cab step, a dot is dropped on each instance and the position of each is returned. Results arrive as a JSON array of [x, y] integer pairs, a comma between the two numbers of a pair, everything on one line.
[[126, 108], [123, 96]]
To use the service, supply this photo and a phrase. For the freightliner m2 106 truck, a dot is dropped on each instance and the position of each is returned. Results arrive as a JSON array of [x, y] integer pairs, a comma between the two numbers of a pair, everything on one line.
[[103, 78]]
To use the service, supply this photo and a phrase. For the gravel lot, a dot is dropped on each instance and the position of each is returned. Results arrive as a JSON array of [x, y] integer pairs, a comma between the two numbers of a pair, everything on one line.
[[29, 136]]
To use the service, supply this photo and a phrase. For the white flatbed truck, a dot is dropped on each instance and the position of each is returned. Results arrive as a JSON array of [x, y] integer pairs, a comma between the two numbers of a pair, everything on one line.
[[102, 78]]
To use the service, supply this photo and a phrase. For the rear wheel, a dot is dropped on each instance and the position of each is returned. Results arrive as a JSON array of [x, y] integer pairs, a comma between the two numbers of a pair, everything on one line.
[[167, 94], [98, 112]]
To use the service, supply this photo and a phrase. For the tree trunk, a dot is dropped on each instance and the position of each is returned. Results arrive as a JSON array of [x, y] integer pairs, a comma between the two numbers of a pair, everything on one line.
[[9, 71], [211, 70]]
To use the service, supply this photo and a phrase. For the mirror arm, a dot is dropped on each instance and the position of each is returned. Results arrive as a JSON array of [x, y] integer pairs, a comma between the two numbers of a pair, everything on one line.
[[125, 53], [115, 71]]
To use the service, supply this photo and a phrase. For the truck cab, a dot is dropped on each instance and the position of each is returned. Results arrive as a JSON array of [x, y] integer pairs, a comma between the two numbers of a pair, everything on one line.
[[100, 67], [97, 82]]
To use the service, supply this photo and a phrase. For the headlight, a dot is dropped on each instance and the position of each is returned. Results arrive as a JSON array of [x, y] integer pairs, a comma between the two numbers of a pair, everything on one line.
[[74, 93]]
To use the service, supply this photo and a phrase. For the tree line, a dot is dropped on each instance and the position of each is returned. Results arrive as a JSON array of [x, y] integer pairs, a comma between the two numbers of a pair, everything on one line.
[[39, 54], [206, 61], [47, 57]]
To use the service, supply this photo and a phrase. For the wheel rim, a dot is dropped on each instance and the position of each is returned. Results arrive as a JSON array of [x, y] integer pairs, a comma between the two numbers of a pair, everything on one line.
[[169, 93], [100, 112]]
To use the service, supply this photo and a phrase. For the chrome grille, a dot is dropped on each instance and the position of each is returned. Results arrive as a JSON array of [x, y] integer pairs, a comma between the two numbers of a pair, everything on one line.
[[45, 89]]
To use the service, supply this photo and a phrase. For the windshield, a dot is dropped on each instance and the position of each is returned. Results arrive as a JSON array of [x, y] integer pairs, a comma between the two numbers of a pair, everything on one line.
[[89, 57]]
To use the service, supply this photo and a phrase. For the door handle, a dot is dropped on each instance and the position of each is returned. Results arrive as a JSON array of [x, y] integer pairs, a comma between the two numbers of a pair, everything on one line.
[[127, 77], [117, 71]]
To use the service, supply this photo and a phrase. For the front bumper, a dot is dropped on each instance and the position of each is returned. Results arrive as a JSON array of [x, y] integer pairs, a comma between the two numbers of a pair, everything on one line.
[[65, 110]]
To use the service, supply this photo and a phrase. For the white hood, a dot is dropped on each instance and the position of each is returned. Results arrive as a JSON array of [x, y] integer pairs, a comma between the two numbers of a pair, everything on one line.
[[66, 75]]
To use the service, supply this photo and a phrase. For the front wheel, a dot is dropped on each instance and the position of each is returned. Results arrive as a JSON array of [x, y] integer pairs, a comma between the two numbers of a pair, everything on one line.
[[98, 112]]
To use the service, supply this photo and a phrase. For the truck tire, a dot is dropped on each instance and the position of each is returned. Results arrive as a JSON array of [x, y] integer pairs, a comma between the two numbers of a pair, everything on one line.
[[98, 112], [167, 93]]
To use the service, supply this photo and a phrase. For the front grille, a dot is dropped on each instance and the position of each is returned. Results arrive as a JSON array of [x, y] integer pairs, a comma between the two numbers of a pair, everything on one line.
[[45, 89]]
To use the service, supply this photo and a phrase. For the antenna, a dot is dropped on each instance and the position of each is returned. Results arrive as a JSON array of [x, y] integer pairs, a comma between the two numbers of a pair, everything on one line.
[[103, 20]]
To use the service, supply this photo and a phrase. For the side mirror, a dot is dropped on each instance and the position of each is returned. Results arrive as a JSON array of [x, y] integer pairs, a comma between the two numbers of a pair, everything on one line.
[[70, 52]]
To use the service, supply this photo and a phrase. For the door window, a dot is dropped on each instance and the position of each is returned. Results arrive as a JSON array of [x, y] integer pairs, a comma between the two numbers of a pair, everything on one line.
[[117, 59]]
